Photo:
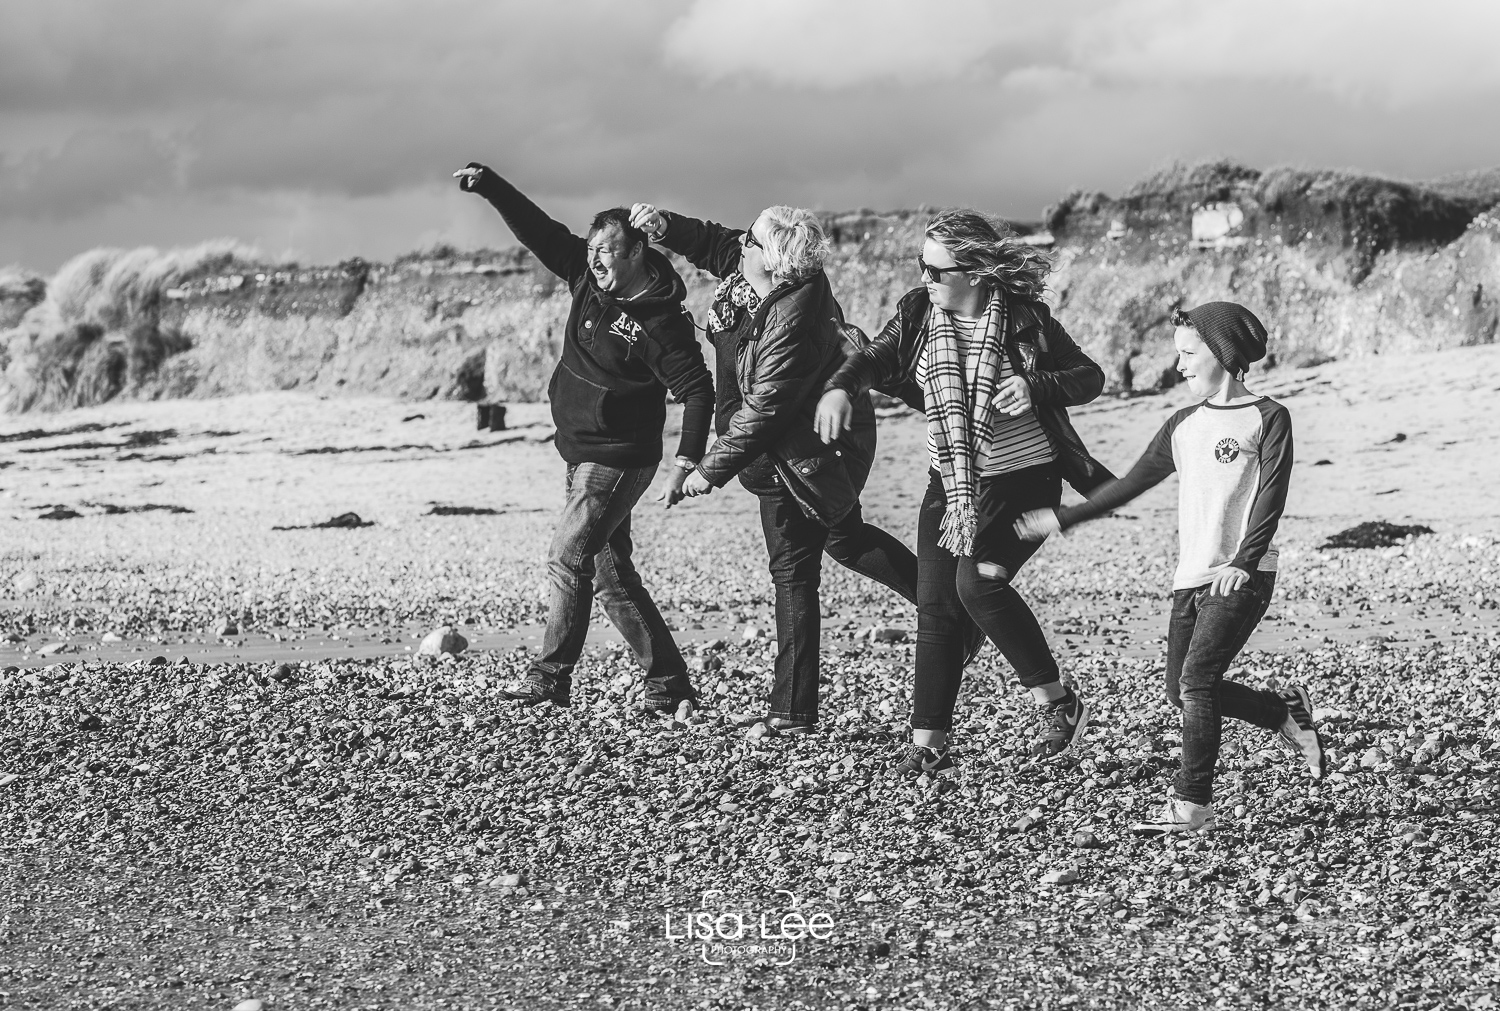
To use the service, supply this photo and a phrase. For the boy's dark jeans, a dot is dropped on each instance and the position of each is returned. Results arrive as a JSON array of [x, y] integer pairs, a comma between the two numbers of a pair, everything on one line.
[[1207, 631], [948, 587], [795, 545], [591, 551]]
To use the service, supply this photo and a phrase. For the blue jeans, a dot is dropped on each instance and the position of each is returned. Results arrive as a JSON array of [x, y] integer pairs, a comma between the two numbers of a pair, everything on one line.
[[591, 551], [1206, 633]]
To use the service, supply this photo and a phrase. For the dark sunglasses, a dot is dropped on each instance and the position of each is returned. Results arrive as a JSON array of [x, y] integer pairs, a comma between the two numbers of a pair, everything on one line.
[[935, 274], [750, 240]]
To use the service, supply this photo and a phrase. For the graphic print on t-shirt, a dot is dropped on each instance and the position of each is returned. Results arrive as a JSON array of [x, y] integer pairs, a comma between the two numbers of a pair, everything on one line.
[[1226, 451]]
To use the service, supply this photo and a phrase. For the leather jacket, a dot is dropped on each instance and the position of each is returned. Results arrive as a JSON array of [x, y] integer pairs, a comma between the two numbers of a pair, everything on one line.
[[1059, 373], [797, 342]]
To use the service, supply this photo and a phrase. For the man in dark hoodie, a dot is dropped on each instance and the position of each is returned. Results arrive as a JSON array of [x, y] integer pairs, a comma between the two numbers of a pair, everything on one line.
[[627, 342]]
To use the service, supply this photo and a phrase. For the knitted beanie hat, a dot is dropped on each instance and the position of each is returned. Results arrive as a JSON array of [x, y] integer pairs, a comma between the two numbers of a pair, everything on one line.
[[1232, 333]]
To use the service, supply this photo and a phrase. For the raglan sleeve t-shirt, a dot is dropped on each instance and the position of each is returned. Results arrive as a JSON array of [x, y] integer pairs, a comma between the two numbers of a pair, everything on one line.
[[1234, 467]]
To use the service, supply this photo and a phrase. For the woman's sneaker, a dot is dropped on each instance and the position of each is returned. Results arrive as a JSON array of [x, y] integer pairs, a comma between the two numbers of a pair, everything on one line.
[[1177, 816], [1300, 732], [919, 761], [1063, 724]]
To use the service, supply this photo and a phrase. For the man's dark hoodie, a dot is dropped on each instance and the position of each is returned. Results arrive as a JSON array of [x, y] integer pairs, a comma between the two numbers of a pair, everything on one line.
[[620, 356]]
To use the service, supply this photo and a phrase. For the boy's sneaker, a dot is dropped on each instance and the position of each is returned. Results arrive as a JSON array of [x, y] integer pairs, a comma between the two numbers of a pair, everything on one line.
[[1177, 816], [1300, 732], [1064, 722], [920, 761], [530, 692]]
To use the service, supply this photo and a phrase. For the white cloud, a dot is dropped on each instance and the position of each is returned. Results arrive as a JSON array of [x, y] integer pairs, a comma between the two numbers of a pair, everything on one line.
[[1388, 51], [1044, 80], [1391, 52], [838, 43]]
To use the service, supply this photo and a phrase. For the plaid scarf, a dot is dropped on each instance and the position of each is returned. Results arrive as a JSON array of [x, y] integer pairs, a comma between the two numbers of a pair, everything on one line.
[[964, 415]]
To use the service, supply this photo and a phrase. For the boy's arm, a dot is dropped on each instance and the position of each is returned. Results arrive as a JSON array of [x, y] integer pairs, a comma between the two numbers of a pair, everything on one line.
[[1150, 470], [558, 249], [1270, 496], [675, 358], [705, 244]]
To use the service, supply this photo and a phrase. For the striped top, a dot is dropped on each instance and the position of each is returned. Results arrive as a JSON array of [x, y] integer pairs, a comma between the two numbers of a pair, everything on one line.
[[1018, 442]]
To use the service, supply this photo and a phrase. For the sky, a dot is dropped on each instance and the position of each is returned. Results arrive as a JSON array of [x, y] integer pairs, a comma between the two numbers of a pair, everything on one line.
[[325, 129]]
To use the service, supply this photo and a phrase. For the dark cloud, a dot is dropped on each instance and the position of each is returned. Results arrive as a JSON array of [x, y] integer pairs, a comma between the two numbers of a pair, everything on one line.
[[352, 115], [92, 169]]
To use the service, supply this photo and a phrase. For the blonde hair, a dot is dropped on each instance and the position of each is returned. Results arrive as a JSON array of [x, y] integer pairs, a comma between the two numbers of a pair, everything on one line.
[[795, 243], [990, 252]]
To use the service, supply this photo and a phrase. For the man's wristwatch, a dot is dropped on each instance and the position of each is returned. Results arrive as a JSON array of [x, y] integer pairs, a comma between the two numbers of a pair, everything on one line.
[[684, 464]]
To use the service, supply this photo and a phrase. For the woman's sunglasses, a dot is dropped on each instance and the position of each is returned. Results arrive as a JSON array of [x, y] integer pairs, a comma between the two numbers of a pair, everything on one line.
[[935, 274], [749, 239]]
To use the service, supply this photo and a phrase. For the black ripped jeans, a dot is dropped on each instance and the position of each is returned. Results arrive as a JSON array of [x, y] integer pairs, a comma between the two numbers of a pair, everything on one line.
[[948, 586], [1206, 633], [795, 544]]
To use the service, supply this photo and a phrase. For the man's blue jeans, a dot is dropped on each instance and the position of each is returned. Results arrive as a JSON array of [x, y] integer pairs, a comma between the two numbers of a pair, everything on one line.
[[591, 552], [1206, 633]]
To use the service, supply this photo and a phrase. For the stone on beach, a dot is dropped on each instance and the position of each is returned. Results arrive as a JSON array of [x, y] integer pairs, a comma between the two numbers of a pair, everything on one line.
[[445, 639]]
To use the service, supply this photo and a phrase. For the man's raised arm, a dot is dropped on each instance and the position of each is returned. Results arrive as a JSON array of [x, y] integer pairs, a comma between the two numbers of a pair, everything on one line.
[[558, 249]]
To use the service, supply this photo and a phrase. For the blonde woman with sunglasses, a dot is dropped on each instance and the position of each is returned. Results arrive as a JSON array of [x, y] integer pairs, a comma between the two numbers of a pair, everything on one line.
[[976, 349]]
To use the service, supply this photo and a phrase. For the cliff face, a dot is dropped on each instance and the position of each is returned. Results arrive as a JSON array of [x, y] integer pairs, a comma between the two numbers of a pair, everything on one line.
[[1336, 265]]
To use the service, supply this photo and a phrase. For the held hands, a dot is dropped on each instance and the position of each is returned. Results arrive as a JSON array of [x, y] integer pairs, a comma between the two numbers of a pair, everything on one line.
[[649, 220], [1228, 581], [1013, 397], [671, 493], [468, 177], [696, 484], [834, 416], [1037, 525]]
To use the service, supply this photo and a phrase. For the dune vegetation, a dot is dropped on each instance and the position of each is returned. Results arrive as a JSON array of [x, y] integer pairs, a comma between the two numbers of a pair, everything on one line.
[[1338, 265]]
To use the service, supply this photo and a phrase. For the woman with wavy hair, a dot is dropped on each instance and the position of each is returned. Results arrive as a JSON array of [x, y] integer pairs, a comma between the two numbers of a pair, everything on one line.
[[976, 348], [779, 335]]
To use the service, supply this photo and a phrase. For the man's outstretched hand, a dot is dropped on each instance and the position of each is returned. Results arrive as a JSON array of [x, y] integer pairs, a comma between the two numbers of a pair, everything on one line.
[[468, 176]]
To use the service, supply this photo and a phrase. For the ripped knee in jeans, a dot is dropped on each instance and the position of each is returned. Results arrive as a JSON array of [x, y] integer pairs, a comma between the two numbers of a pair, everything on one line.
[[990, 570]]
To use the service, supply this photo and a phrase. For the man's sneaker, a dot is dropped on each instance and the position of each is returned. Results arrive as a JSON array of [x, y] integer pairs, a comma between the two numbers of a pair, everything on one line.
[[920, 761], [533, 693], [1300, 732], [1177, 816], [662, 703], [1065, 721]]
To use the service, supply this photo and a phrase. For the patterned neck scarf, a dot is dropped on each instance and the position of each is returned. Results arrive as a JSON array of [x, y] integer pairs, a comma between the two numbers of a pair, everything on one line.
[[964, 414], [732, 299]]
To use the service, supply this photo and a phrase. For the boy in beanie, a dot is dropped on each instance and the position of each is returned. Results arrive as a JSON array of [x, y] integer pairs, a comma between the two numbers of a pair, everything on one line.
[[1233, 453]]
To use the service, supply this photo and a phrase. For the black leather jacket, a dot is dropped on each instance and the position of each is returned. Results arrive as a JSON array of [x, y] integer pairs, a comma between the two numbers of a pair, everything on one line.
[[786, 353], [1059, 373]]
